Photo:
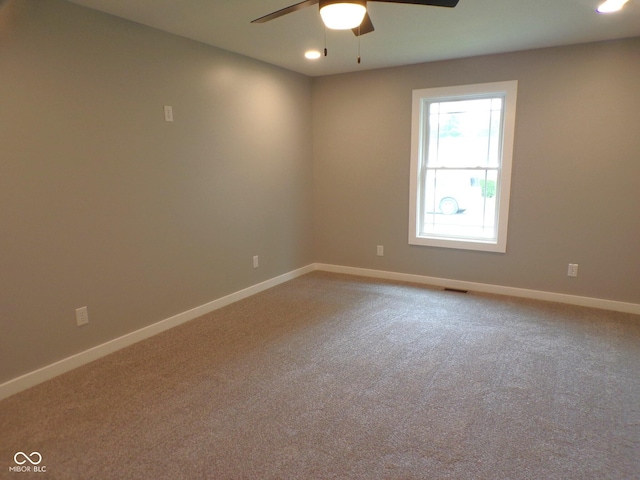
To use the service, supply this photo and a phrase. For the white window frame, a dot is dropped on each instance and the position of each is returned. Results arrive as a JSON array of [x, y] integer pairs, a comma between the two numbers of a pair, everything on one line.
[[419, 148]]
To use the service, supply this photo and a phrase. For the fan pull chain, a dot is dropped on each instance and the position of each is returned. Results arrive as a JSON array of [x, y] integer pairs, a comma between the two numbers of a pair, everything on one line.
[[358, 44], [325, 41]]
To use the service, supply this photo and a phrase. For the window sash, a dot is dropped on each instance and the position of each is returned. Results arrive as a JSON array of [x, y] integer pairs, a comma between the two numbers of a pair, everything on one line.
[[488, 226]]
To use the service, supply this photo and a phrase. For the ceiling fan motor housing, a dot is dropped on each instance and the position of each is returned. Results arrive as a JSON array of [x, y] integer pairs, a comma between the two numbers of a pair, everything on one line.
[[324, 3]]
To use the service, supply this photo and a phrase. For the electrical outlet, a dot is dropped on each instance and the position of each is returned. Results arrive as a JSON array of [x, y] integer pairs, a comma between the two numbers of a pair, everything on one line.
[[82, 316], [380, 250], [573, 270], [256, 261], [168, 113]]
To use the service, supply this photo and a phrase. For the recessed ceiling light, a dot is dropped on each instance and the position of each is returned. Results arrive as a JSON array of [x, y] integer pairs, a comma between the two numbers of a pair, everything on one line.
[[611, 6], [312, 54]]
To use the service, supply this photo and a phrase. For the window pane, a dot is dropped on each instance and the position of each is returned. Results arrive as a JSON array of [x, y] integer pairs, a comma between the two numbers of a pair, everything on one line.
[[460, 203], [464, 133]]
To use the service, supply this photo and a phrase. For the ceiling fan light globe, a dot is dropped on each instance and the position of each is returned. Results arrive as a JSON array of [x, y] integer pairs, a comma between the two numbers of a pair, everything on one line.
[[342, 15], [610, 6]]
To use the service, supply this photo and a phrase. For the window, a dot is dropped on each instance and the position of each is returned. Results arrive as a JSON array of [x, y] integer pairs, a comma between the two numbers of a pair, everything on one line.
[[462, 144]]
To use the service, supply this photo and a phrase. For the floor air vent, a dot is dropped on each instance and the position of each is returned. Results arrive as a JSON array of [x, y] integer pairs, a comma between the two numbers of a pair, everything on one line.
[[455, 290]]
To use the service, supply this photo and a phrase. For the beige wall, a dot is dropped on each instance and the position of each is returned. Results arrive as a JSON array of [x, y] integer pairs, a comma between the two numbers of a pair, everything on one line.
[[104, 204], [576, 170]]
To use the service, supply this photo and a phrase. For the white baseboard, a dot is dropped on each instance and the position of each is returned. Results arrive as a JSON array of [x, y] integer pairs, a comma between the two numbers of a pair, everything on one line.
[[62, 366], [50, 371], [486, 288]]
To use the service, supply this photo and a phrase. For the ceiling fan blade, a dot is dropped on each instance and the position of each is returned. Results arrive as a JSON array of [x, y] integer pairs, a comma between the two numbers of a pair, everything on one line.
[[365, 27], [435, 3], [286, 10]]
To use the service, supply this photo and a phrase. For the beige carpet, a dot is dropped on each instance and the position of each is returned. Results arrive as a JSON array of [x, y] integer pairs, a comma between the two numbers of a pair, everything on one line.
[[330, 376]]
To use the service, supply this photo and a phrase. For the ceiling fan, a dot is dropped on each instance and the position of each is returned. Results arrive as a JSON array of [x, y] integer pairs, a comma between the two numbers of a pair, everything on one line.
[[351, 14]]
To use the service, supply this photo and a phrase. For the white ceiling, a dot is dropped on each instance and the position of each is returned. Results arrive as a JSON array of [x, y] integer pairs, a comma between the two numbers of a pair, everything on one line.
[[404, 34]]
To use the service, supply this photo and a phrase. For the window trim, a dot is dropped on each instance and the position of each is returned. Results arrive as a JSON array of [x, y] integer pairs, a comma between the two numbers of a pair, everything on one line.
[[509, 90]]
